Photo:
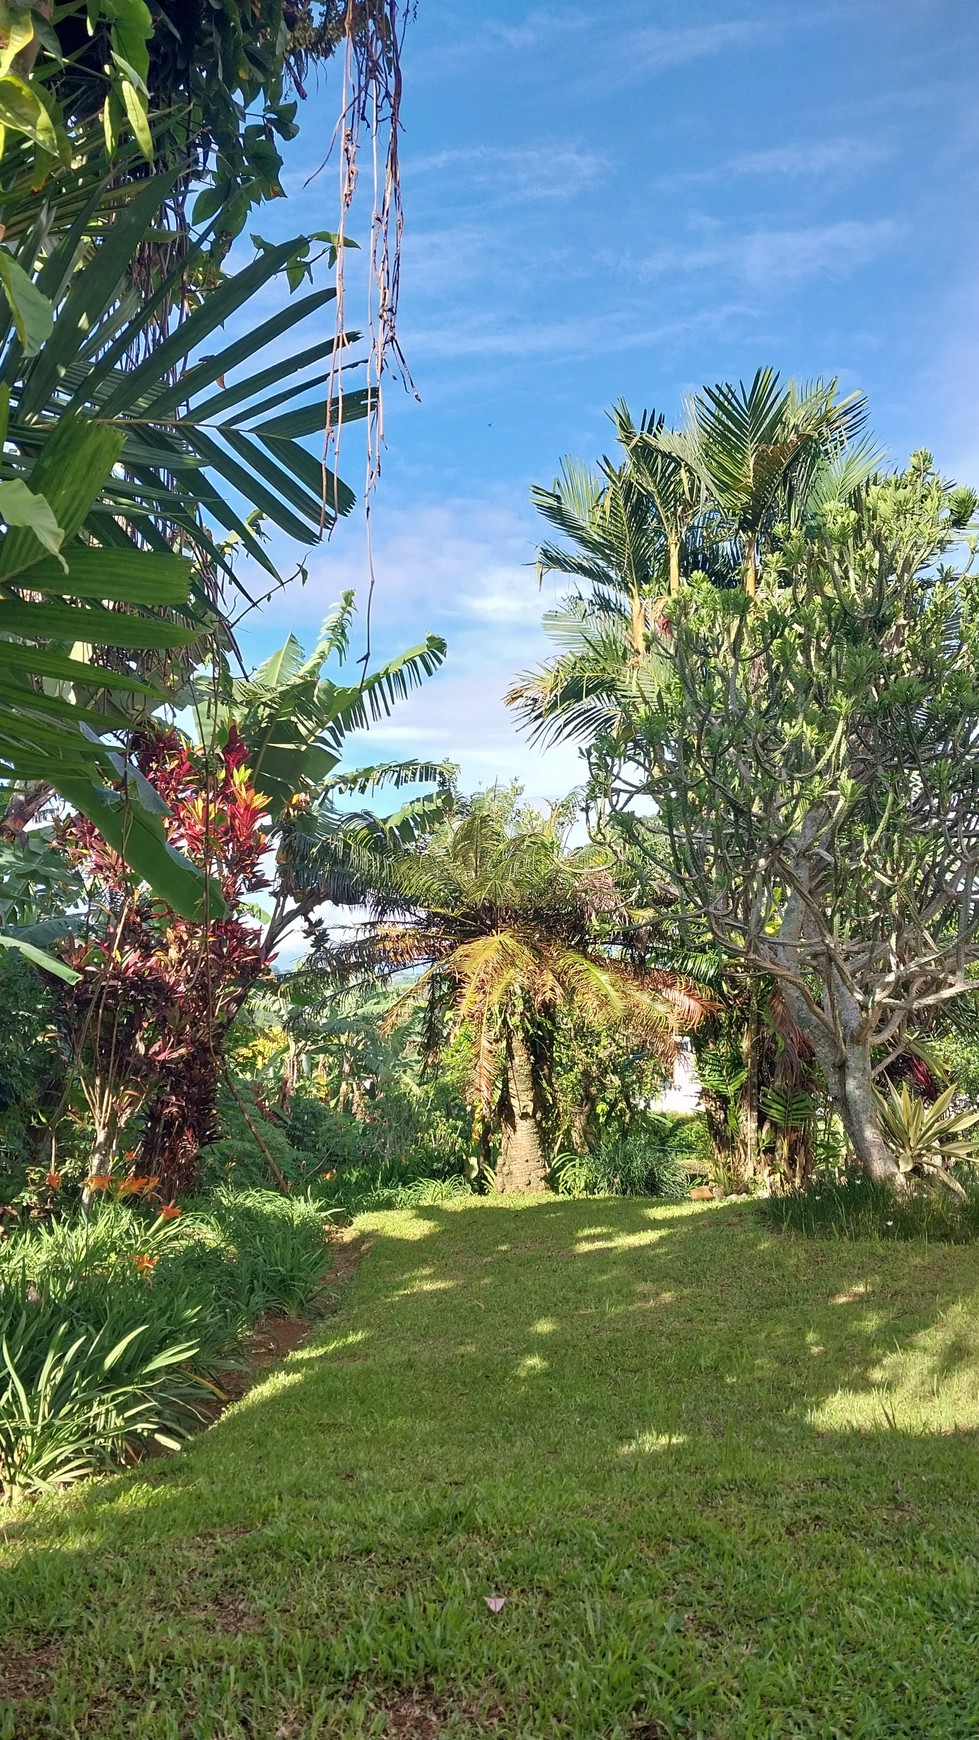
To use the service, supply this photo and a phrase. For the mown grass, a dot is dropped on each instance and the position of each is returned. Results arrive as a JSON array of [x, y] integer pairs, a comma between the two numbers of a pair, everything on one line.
[[725, 1480]]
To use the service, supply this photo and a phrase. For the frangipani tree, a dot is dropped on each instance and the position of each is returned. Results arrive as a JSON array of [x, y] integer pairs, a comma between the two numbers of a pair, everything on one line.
[[814, 772]]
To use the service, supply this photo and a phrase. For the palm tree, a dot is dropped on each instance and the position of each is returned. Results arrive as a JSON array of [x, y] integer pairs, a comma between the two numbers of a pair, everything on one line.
[[509, 932], [617, 544], [699, 505], [756, 453]]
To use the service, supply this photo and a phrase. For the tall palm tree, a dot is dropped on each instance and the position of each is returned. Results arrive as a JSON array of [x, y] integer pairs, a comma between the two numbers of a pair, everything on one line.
[[700, 503], [697, 505], [617, 545], [509, 932], [756, 453]]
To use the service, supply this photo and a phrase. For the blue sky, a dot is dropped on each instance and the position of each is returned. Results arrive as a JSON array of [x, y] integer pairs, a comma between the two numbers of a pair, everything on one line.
[[627, 200]]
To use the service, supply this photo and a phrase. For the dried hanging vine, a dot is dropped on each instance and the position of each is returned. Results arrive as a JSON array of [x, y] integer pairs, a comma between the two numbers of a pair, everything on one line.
[[371, 100]]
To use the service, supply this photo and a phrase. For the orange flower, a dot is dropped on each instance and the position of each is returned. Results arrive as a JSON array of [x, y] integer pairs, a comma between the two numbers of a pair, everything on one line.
[[137, 1186], [329, 1175], [145, 1265], [53, 1180], [170, 1211], [98, 1181]]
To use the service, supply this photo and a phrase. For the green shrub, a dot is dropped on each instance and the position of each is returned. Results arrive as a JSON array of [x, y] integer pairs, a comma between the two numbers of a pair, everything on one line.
[[854, 1207], [652, 1160], [32, 1069], [236, 1159], [113, 1329], [331, 1138], [426, 1191]]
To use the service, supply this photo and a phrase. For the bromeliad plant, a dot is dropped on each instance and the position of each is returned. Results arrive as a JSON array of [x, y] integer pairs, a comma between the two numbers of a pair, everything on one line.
[[927, 1138]]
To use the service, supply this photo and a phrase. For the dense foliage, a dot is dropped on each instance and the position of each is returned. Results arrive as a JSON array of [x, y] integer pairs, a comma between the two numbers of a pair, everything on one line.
[[767, 660]]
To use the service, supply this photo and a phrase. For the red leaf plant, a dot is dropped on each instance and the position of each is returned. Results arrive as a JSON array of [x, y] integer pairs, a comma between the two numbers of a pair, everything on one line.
[[157, 992]]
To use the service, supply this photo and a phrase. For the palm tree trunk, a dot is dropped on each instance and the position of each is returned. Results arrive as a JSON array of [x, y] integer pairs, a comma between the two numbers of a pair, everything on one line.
[[521, 1166]]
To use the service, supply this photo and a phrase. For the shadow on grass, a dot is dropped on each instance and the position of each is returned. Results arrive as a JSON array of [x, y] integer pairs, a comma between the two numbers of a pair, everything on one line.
[[549, 1388]]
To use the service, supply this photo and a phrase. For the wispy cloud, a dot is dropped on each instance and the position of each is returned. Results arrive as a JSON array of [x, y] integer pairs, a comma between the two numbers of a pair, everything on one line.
[[522, 172], [773, 259], [540, 25], [817, 157], [656, 48], [462, 567], [608, 331]]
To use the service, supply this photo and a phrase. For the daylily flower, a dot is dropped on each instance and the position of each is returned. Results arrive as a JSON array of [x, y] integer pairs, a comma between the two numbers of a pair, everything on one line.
[[98, 1181], [145, 1264], [170, 1211], [53, 1180]]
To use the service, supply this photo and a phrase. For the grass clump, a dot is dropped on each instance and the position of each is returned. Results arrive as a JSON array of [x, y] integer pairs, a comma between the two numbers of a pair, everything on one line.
[[115, 1330], [653, 1159], [854, 1207]]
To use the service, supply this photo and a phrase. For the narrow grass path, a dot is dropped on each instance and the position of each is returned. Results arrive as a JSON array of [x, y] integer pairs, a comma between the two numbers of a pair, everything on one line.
[[726, 1483]]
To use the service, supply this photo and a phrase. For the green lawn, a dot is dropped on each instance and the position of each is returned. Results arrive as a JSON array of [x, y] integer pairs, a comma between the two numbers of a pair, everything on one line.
[[725, 1481]]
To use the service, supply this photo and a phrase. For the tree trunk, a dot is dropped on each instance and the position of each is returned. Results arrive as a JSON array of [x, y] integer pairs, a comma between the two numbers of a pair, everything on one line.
[[841, 1043], [521, 1166], [180, 1119], [848, 1073], [750, 1048], [858, 1114]]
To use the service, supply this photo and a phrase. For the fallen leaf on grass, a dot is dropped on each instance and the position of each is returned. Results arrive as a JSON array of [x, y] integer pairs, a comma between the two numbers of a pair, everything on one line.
[[495, 1603]]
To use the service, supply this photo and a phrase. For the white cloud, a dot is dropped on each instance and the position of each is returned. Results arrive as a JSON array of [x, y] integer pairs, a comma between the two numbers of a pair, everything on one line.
[[818, 157], [477, 731], [517, 171], [778, 259], [606, 332], [462, 568]]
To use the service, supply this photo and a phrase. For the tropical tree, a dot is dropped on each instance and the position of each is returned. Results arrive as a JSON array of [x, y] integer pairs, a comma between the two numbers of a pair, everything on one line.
[[509, 932], [698, 504], [252, 805], [295, 720], [155, 993], [691, 508], [754, 458], [814, 778]]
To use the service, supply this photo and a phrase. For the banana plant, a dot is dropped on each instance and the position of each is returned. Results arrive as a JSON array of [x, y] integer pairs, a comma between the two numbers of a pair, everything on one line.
[[295, 721]]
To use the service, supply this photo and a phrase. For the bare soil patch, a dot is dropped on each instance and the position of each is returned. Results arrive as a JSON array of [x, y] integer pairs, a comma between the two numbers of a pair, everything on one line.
[[26, 1672]]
